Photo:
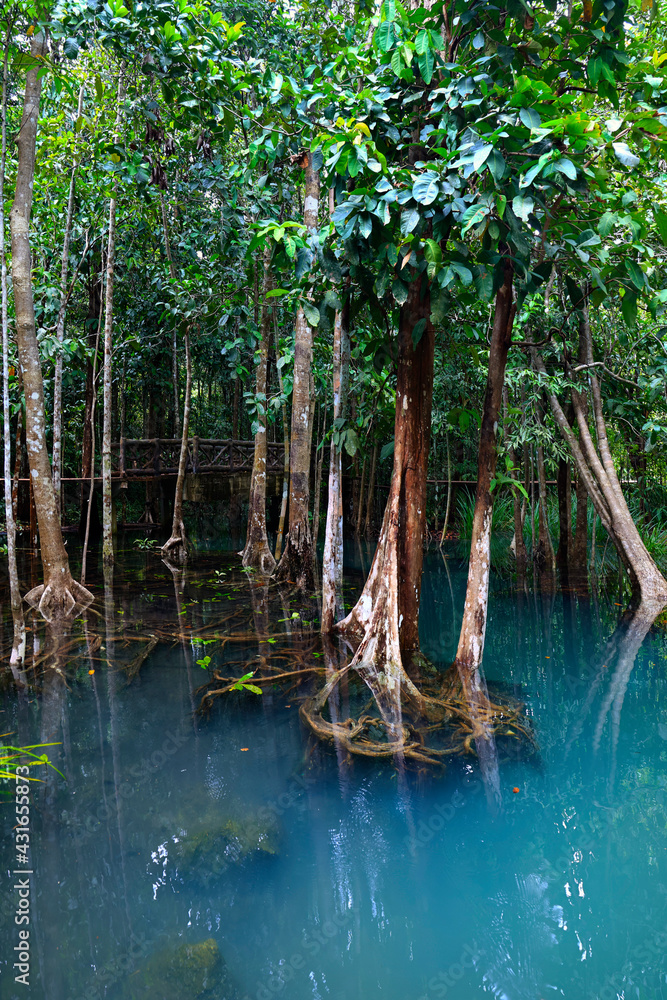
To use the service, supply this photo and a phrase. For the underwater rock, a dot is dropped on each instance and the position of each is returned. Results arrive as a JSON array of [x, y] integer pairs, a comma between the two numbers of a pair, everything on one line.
[[186, 972], [202, 855]]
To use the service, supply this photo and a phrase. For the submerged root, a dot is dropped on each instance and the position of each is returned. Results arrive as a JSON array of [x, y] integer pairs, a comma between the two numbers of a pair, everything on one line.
[[447, 718]]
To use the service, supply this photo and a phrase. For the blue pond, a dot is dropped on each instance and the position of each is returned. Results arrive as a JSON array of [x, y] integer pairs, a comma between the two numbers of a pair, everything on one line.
[[315, 875]]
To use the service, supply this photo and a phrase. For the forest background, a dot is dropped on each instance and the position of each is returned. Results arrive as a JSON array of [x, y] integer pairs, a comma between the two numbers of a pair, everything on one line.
[[410, 242]]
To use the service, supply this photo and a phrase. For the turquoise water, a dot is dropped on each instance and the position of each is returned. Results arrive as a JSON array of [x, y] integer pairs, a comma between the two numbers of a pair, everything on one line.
[[345, 878]]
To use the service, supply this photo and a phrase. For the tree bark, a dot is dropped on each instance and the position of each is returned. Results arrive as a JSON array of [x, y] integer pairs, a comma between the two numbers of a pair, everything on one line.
[[18, 646], [257, 553], [473, 628], [107, 503], [544, 558], [386, 616], [596, 468], [60, 594], [286, 450], [319, 462], [332, 560], [60, 328], [564, 487], [370, 499], [297, 563], [175, 548]]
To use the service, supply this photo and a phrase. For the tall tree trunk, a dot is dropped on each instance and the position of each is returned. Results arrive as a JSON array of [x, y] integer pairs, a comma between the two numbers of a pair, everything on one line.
[[449, 490], [371, 490], [332, 559], [386, 616], [107, 503], [596, 467], [175, 548], [60, 594], [91, 473], [545, 560], [257, 553], [93, 328], [297, 563], [319, 461], [578, 570], [286, 449], [60, 327], [518, 542], [18, 645], [564, 487], [473, 628], [360, 505]]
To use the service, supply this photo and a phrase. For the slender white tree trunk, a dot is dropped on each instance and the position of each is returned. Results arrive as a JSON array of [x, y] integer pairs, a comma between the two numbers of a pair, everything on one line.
[[332, 559], [107, 503], [57, 457]]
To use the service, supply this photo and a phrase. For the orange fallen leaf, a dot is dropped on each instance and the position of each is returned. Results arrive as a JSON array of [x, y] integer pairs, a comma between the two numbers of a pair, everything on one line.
[[91, 671], [245, 748], [516, 790], [288, 706], [547, 657]]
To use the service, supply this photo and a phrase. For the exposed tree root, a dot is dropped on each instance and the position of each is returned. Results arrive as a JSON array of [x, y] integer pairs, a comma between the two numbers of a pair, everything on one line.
[[56, 603]]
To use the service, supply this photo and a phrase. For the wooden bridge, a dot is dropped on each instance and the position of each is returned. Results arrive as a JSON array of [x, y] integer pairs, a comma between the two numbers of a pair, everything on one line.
[[152, 458]]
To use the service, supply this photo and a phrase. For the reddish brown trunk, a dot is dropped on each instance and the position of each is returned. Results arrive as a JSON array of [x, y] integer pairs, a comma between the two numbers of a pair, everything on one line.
[[387, 613], [473, 628], [416, 389]]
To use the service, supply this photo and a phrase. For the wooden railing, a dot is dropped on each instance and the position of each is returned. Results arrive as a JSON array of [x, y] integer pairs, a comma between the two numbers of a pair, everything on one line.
[[146, 457]]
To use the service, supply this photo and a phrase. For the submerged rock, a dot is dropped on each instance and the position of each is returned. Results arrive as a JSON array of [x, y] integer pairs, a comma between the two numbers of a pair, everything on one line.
[[186, 972], [202, 855]]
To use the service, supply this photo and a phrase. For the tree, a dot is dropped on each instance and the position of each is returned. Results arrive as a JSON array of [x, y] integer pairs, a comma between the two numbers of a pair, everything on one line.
[[59, 595]]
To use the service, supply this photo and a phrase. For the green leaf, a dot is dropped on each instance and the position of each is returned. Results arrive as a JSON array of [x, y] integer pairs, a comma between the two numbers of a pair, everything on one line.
[[400, 291], [425, 188], [71, 48], [418, 330], [567, 167], [253, 687], [594, 69], [625, 155], [496, 164], [480, 157], [636, 274], [426, 63], [275, 292], [432, 252], [661, 223], [522, 206], [608, 221], [385, 36], [463, 272], [397, 62], [311, 312], [473, 216], [422, 42], [409, 220], [530, 118], [629, 308]]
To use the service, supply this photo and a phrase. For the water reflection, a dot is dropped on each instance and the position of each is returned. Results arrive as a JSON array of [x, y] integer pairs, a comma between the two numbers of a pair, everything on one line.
[[315, 872]]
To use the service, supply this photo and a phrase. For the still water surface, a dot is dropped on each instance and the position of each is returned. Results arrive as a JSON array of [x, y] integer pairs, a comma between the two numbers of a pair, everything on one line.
[[318, 877]]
